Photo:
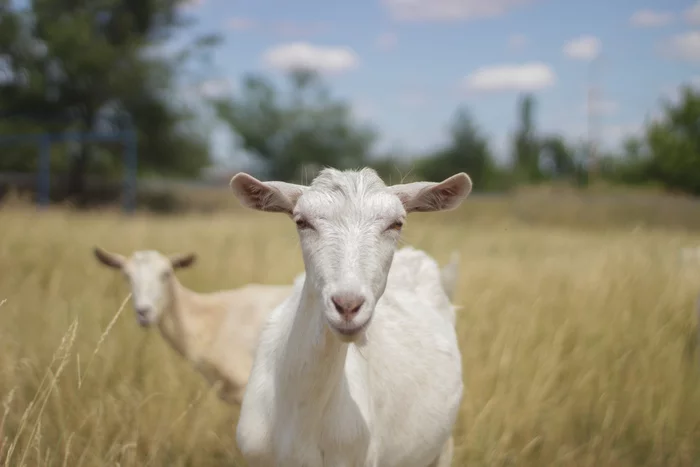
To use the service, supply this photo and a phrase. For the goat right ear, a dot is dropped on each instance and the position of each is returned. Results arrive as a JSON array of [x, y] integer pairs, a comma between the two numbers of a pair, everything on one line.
[[266, 196], [183, 261], [431, 196], [112, 260]]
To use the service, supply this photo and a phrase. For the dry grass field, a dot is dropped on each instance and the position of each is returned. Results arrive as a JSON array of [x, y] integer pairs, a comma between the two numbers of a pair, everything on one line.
[[578, 339]]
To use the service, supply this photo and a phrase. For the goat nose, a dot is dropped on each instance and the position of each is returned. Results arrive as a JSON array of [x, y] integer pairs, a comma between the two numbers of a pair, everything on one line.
[[347, 304], [142, 310]]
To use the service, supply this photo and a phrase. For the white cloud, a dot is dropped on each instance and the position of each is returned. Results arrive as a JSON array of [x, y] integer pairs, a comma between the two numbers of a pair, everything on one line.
[[651, 18], [692, 14], [450, 10], [239, 23], [387, 41], [212, 88], [526, 77], [517, 41], [583, 48], [302, 55], [684, 47]]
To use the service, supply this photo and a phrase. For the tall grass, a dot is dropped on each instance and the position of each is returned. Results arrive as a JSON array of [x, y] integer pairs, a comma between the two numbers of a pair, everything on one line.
[[579, 345]]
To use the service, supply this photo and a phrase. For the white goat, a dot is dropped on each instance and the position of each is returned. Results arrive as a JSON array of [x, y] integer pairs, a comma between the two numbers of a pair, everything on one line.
[[360, 366], [216, 332]]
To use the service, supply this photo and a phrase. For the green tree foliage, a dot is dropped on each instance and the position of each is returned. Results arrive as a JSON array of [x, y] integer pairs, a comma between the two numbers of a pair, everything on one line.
[[632, 166], [526, 147], [302, 127], [91, 65], [558, 157], [467, 151], [83, 65], [668, 154], [674, 144]]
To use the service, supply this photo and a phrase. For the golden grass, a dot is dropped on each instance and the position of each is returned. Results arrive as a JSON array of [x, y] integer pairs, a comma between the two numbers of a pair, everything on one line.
[[579, 346]]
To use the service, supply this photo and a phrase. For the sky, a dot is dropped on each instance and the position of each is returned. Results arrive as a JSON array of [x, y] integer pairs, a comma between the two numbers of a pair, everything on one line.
[[406, 65]]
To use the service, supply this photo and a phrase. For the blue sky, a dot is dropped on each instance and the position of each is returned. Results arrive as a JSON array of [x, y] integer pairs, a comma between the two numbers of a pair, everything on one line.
[[407, 64]]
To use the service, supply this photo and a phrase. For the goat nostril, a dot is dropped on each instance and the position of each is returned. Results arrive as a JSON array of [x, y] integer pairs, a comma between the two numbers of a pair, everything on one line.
[[357, 304], [338, 306], [347, 304]]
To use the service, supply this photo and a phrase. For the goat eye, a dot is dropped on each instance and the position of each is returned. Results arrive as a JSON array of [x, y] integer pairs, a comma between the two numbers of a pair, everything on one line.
[[303, 224], [396, 226]]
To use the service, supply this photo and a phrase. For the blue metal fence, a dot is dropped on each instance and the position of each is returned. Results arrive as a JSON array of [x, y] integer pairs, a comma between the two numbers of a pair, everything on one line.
[[44, 141]]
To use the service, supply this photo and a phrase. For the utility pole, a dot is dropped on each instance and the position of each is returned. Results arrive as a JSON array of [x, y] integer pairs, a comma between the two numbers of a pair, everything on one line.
[[594, 101]]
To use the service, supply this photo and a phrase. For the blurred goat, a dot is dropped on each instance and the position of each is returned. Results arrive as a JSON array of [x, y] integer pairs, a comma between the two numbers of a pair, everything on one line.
[[216, 332]]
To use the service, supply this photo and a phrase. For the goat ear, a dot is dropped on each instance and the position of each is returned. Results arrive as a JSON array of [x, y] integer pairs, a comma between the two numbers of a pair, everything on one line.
[[183, 261], [431, 196], [112, 260], [266, 196]]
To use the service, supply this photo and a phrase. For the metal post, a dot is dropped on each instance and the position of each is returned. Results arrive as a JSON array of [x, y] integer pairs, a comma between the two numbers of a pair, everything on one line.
[[44, 141], [44, 171], [130, 147]]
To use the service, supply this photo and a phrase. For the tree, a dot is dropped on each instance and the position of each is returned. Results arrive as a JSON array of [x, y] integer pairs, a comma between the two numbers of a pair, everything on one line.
[[468, 151], [304, 127], [632, 166], [82, 65], [674, 143], [526, 150], [558, 157]]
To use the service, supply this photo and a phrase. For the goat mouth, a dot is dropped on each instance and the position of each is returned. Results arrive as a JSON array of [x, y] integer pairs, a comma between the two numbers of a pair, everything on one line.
[[351, 331], [143, 321]]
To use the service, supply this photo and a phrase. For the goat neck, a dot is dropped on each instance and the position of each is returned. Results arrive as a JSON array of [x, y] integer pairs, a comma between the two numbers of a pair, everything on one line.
[[180, 325], [313, 351]]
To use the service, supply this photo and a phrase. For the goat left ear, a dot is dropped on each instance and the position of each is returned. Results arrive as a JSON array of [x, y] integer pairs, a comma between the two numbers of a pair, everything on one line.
[[266, 196], [431, 196], [182, 261], [112, 260]]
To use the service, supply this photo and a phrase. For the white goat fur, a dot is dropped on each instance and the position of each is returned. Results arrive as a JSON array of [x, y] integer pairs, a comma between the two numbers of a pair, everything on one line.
[[381, 388], [216, 332]]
